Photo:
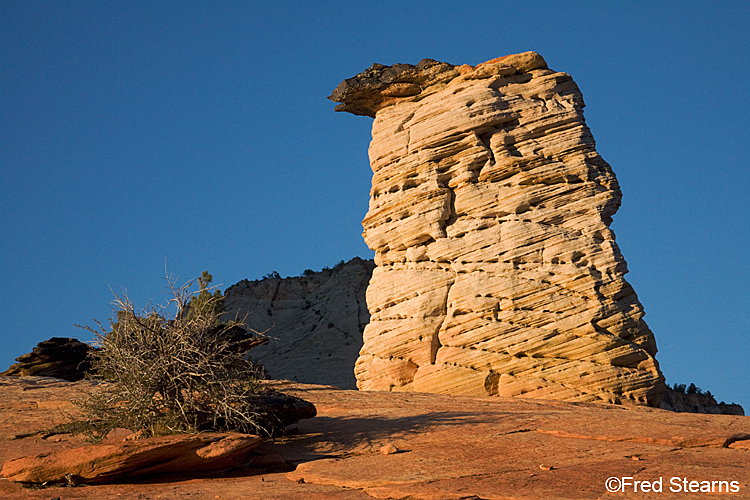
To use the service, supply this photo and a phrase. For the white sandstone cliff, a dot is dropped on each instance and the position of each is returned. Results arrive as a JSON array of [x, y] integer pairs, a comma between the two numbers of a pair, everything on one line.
[[315, 322]]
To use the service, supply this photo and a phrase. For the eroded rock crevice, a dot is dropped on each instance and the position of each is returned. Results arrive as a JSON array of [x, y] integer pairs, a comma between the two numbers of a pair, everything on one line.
[[489, 216]]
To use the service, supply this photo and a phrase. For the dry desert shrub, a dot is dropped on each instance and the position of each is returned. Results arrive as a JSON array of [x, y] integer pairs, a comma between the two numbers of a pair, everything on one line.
[[170, 369]]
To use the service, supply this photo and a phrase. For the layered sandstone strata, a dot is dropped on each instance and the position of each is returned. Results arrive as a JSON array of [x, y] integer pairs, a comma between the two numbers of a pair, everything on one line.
[[314, 322], [489, 216], [59, 357]]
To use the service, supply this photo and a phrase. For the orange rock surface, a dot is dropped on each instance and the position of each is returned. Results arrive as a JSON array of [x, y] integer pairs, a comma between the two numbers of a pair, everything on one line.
[[440, 447], [123, 461]]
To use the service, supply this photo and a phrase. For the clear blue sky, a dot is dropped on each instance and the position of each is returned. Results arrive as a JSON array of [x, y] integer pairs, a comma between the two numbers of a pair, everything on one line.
[[198, 134]]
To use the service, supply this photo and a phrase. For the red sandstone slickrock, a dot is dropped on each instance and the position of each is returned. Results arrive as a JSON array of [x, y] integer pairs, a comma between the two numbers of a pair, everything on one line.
[[105, 463], [368, 444], [497, 273]]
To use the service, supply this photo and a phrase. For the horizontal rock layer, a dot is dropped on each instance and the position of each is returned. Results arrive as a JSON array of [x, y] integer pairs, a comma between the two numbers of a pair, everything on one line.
[[497, 273]]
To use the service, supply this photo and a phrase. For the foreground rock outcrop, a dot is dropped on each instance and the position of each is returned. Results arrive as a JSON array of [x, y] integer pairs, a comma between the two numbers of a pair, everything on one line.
[[497, 273], [315, 322], [107, 463]]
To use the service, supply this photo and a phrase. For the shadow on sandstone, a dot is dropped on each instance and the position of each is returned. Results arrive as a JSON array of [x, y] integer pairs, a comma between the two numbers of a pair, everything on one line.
[[338, 437]]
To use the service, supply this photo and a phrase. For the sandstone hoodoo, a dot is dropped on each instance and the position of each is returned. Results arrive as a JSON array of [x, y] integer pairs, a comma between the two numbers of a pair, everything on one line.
[[489, 216]]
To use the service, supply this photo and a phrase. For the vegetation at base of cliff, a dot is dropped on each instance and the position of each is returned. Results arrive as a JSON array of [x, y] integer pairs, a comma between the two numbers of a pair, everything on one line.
[[169, 369]]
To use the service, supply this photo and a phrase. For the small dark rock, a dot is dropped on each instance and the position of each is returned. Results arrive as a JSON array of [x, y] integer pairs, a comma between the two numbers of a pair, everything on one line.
[[240, 338], [282, 410], [58, 357]]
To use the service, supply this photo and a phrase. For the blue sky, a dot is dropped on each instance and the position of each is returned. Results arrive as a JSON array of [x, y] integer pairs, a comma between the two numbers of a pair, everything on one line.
[[198, 135]]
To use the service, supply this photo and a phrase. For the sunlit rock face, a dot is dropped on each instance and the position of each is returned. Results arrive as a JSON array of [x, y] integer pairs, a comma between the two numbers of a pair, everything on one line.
[[489, 215]]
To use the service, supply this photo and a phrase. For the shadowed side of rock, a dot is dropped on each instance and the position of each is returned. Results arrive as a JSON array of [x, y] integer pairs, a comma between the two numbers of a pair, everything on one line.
[[96, 464], [281, 410], [698, 403], [497, 273], [59, 357], [315, 322]]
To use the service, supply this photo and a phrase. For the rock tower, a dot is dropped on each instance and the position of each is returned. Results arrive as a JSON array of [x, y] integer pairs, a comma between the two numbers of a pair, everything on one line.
[[497, 273]]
